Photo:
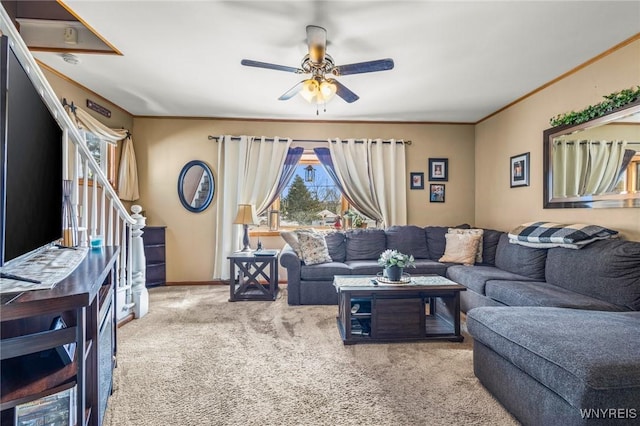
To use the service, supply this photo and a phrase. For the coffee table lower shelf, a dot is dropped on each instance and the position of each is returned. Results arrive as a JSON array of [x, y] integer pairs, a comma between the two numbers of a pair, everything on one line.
[[435, 329]]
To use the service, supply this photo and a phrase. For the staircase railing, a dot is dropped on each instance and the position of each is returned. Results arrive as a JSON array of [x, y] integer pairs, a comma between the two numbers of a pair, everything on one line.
[[109, 217]]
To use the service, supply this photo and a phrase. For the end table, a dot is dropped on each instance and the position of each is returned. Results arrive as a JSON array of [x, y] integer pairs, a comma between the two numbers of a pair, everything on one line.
[[251, 267]]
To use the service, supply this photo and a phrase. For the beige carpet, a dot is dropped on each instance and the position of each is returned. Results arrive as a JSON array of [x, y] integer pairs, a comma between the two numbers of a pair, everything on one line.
[[197, 359]]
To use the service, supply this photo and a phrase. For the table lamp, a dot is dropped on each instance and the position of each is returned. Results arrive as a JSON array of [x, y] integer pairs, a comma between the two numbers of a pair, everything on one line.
[[246, 216]]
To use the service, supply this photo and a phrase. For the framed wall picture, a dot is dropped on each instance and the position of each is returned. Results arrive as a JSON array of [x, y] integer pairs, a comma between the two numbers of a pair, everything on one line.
[[436, 193], [439, 169], [520, 170], [417, 180]]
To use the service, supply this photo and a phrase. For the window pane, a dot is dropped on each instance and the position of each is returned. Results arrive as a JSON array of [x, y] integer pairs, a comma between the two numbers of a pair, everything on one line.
[[310, 199]]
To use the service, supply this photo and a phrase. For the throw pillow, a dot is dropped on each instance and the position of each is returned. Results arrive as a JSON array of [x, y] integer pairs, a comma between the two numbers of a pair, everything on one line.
[[314, 248], [291, 238], [461, 248], [472, 231]]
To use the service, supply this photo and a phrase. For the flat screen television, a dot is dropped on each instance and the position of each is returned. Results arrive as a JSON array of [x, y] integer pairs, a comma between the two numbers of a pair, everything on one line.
[[31, 164]]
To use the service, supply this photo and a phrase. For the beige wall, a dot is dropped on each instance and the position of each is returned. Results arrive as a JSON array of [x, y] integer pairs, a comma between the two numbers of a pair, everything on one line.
[[519, 129], [164, 146]]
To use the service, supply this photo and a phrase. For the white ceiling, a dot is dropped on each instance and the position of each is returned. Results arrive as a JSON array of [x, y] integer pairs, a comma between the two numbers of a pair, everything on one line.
[[454, 61]]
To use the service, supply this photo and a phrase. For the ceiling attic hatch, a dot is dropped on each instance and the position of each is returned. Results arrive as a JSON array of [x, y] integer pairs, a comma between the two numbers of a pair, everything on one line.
[[50, 27]]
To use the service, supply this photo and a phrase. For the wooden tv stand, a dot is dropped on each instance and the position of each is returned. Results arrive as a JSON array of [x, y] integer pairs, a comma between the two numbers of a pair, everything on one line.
[[30, 368]]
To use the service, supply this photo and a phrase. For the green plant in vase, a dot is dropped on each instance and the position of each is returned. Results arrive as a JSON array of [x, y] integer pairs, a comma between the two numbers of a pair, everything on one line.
[[394, 263], [355, 219]]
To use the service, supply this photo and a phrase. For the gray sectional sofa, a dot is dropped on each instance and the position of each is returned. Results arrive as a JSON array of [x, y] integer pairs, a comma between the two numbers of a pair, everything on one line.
[[356, 252], [556, 331]]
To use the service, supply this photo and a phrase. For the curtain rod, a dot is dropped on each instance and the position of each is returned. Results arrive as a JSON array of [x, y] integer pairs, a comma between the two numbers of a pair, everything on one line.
[[596, 142], [237, 138]]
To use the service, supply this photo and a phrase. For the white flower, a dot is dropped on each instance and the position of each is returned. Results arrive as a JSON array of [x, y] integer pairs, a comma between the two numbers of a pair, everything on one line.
[[395, 258]]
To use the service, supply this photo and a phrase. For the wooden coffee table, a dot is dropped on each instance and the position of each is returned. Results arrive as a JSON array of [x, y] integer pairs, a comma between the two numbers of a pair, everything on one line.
[[427, 308]]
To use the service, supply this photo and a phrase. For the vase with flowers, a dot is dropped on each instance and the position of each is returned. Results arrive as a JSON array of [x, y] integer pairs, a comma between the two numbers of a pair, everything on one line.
[[394, 263]]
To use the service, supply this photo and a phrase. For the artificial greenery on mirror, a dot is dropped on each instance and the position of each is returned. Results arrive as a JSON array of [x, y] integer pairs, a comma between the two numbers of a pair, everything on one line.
[[611, 102]]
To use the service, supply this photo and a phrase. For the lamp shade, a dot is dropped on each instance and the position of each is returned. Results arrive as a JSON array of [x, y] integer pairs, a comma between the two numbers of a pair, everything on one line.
[[246, 215]]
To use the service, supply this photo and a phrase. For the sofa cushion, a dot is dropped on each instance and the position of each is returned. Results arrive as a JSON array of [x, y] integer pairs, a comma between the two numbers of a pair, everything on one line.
[[313, 248], [461, 248], [581, 356], [490, 239], [408, 240], [427, 267], [608, 270], [520, 260], [324, 271], [337, 246], [536, 293], [363, 267], [436, 242], [365, 244], [475, 277]]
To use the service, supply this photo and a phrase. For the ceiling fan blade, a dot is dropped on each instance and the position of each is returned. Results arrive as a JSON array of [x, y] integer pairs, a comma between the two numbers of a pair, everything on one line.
[[362, 67], [317, 42], [291, 92], [343, 92], [250, 63]]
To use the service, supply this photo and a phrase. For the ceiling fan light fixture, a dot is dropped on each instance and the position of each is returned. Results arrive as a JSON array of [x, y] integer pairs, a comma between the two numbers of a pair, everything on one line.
[[327, 90], [310, 90]]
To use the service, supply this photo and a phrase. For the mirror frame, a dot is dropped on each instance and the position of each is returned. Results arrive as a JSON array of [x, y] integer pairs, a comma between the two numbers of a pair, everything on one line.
[[596, 201], [209, 198]]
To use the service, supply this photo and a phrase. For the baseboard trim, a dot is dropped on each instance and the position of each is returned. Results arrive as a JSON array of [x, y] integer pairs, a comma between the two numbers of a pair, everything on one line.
[[126, 320], [213, 282]]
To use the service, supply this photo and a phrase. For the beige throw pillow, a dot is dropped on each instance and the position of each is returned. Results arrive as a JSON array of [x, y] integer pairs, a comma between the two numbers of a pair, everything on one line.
[[472, 232], [291, 238], [461, 248], [314, 248]]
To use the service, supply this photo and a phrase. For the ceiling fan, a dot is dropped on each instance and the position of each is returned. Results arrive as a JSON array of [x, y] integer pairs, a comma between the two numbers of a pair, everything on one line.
[[319, 88]]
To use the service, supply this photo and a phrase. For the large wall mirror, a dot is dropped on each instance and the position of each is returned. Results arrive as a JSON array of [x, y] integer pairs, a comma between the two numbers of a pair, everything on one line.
[[594, 164], [196, 186]]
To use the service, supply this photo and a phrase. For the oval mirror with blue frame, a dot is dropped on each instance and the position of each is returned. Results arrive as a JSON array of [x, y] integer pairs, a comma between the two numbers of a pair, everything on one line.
[[196, 186]]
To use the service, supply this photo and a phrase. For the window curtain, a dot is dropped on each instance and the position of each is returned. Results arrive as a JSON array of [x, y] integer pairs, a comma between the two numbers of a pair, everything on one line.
[[586, 167], [372, 176], [288, 170], [128, 173], [249, 170], [85, 121]]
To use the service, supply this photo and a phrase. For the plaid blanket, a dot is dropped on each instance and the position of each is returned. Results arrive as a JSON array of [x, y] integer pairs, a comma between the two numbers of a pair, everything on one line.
[[549, 234]]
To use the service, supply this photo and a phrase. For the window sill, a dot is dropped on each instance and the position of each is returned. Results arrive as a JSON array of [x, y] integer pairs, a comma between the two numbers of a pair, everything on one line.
[[267, 233]]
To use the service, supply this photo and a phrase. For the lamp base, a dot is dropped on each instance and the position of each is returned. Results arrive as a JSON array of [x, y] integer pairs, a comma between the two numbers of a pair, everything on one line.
[[245, 240]]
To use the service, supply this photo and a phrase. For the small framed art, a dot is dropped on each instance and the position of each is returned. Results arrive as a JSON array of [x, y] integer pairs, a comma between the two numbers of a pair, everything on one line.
[[439, 169], [417, 180], [436, 193], [520, 170]]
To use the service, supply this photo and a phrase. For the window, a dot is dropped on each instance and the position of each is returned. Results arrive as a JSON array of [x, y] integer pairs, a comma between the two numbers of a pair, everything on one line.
[[311, 198], [104, 153]]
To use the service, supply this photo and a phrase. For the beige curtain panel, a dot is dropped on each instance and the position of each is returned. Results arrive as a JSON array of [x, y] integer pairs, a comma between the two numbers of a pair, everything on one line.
[[86, 122], [586, 167], [128, 173]]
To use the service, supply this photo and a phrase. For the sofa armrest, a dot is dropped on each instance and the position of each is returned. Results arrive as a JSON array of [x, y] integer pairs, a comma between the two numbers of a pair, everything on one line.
[[290, 260]]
